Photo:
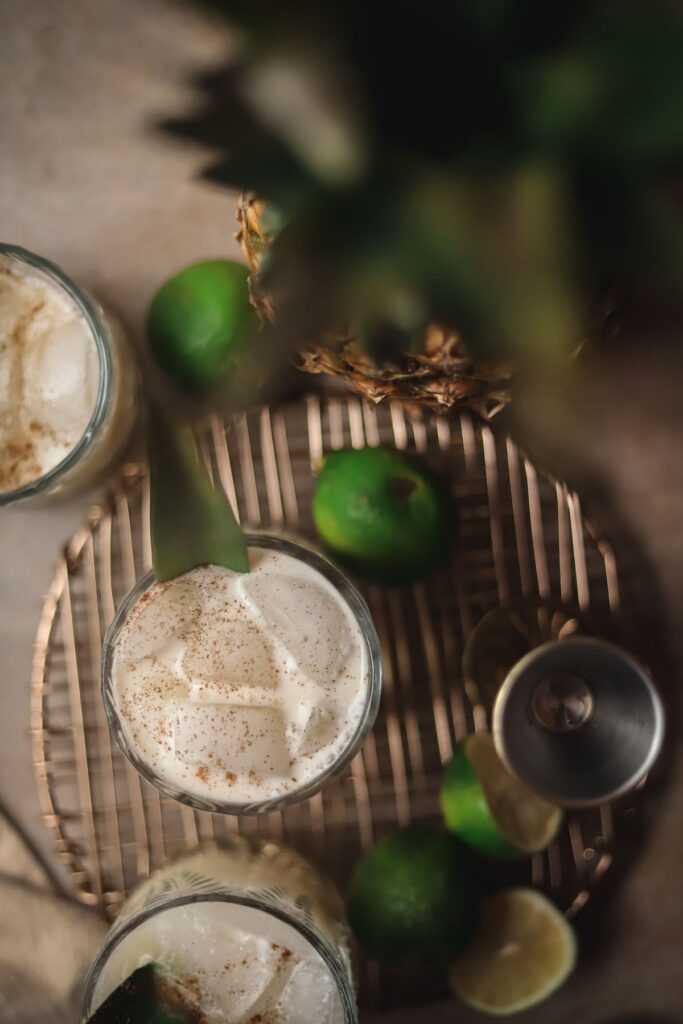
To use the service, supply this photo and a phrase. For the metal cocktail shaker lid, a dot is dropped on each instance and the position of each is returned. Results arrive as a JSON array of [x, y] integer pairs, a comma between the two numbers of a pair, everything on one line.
[[579, 723]]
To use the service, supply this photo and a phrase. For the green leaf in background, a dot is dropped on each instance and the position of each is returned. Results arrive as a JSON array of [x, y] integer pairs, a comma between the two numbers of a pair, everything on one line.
[[192, 523], [498, 168]]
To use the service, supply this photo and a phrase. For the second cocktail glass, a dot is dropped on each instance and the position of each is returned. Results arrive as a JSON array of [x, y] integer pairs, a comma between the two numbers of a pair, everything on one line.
[[68, 382], [243, 930], [240, 694]]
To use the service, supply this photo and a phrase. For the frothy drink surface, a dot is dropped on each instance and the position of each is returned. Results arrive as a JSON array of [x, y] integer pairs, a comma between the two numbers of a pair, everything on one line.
[[241, 688], [49, 374]]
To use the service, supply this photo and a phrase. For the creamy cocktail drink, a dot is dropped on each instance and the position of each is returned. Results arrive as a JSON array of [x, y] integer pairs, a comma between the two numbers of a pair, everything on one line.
[[67, 383], [239, 933], [241, 691]]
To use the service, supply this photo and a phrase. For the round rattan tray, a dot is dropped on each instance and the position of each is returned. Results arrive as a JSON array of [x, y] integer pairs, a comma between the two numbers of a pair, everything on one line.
[[522, 534]]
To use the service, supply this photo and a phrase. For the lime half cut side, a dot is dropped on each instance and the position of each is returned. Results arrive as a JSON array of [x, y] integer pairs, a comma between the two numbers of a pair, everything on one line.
[[489, 808], [524, 950]]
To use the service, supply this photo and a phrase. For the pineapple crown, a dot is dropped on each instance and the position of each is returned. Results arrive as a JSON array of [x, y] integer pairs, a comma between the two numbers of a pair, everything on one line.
[[490, 164]]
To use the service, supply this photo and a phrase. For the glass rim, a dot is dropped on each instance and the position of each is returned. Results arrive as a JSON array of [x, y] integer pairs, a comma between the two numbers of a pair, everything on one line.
[[358, 606], [252, 898], [99, 334]]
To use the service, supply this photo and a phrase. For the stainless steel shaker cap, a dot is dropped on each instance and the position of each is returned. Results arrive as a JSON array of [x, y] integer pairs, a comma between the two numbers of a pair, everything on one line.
[[579, 722]]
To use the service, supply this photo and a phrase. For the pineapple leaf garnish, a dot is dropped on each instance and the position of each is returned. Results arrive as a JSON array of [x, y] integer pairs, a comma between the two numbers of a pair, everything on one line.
[[147, 997], [192, 523]]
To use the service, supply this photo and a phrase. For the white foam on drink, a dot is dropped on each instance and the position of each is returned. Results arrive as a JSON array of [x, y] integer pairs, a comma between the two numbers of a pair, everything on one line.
[[49, 374], [241, 688], [236, 963]]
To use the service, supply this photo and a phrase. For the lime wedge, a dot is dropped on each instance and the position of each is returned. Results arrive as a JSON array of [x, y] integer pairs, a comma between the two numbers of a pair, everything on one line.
[[489, 808], [524, 950]]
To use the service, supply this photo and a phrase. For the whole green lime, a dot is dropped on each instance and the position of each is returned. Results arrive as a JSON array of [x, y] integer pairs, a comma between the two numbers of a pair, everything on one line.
[[383, 514], [200, 322], [411, 898]]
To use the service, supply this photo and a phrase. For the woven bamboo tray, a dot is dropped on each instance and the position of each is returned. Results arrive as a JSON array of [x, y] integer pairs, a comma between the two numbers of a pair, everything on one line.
[[521, 534]]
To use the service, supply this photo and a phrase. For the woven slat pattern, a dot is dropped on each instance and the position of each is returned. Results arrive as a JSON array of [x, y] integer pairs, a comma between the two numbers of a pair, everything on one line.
[[520, 534]]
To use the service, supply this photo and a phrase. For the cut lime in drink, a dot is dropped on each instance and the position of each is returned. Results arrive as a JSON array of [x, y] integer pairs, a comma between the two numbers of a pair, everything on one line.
[[524, 950], [489, 808]]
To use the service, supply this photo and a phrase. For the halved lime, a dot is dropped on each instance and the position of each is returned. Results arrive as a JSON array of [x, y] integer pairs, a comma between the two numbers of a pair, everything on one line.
[[489, 808], [524, 950]]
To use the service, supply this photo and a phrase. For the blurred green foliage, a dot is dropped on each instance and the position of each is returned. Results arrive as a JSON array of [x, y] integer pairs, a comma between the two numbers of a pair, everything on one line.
[[490, 164]]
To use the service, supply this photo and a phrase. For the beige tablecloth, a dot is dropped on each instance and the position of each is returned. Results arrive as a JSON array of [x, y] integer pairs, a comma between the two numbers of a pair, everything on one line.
[[46, 941]]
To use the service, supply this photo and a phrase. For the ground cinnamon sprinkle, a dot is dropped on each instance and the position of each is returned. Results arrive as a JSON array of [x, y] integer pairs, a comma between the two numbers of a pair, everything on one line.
[[17, 461], [191, 983], [19, 458], [179, 990], [29, 309], [211, 698]]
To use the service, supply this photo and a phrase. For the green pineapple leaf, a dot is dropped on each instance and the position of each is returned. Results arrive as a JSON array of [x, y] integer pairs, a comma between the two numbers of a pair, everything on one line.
[[192, 523], [146, 997]]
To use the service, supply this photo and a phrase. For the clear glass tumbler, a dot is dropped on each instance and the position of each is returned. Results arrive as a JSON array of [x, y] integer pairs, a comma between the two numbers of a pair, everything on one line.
[[371, 683], [114, 413], [246, 927]]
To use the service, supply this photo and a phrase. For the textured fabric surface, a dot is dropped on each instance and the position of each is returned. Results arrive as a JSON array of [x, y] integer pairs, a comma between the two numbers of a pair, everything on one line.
[[46, 941]]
